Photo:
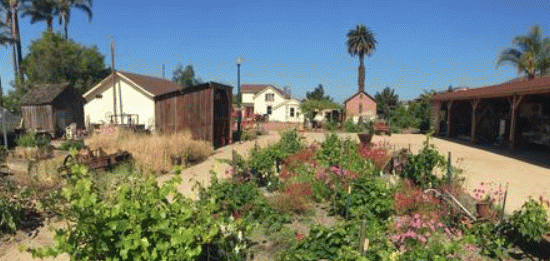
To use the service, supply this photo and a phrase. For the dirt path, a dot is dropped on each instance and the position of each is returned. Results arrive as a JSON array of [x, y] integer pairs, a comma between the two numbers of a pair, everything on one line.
[[479, 166]]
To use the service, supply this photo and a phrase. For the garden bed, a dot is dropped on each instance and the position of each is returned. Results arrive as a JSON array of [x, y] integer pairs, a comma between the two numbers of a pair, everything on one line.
[[295, 201]]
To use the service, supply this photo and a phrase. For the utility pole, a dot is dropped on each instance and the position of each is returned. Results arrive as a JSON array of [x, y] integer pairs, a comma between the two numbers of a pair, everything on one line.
[[113, 74]]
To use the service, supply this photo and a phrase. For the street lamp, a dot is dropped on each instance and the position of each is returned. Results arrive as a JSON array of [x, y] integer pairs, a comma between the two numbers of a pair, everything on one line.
[[239, 61]]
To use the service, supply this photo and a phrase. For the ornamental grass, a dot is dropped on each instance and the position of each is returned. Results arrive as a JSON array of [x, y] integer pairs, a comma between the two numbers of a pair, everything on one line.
[[152, 153]]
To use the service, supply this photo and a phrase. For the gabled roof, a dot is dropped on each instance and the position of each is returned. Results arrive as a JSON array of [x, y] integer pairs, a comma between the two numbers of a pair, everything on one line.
[[253, 88], [153, 85], [43, 94], [350, 98], [514, 87], [257, 88]]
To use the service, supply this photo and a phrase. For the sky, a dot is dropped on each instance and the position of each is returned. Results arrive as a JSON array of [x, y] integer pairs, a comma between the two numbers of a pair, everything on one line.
[[422, 45]]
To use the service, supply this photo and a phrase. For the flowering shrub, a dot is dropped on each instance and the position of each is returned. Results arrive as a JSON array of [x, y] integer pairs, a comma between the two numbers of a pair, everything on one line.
[[411, 230], [487, 192], [411, 199], [379, 156]]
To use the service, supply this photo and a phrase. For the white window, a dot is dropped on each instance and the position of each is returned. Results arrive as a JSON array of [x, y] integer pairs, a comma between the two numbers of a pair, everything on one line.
[[269, 97], [292, 112], [269, 110]]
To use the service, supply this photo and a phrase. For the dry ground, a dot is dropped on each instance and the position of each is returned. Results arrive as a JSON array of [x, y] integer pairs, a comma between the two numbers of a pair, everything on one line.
[[479, 166]]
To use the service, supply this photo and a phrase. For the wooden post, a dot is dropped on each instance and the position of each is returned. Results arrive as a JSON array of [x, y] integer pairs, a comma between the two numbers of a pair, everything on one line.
[[514, 105], [435, 120], [449, 106], [449, 167], [473, 138], [362, 237]]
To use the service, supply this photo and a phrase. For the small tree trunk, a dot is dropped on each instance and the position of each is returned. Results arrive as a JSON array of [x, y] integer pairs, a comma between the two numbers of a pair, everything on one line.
[[49, 22], [66, 27]]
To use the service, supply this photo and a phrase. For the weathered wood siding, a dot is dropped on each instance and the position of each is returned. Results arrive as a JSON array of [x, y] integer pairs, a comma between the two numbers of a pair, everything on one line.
[[38, 117], [53, 118], [194, 110]]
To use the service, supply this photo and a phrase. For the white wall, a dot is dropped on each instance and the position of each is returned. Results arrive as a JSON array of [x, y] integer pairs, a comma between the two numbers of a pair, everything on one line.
[[260, 104], [282, 113], [248, 97], [133, 100]]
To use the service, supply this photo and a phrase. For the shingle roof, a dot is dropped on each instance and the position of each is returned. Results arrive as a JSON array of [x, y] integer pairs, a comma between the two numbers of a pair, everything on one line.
[[515, 87], [253, 88], [257, 88], [43, 94], [363, 92], [154, 85]]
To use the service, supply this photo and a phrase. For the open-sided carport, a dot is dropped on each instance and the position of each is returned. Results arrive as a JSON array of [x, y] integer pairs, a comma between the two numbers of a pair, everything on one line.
[[515, 112]]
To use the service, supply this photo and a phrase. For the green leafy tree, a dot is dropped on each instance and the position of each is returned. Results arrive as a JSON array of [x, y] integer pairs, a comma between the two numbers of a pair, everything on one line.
[[532, 55], [53, 59], [185, 77], [318, 94], [386, 102], [41, 11], [361, 42], [65, 7]]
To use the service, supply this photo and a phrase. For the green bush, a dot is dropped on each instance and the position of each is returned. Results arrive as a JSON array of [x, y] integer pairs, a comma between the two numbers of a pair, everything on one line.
[[331, 125], [531, 221], [420, 166], [144, 222], [11, 213], [326, 243], [72, 144], [241, 200], [366, 198], [31, 139], [331, 151], [264, 163]]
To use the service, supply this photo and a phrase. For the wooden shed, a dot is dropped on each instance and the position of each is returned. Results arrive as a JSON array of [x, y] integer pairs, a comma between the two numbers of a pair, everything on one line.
[[204, 109], [50, 108]]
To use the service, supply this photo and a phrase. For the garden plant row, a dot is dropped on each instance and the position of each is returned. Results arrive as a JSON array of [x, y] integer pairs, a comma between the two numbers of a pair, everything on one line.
[[277, 202]]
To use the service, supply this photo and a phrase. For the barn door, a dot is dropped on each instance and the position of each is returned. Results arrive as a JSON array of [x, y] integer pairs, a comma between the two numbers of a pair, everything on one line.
[[221, 119], [61, 120]]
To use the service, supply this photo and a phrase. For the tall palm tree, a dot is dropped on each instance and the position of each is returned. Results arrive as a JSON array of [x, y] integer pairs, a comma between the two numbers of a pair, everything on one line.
[[361, 42], [10, 9], [5, 40], [40, 11], [65, 7], [532, 55]]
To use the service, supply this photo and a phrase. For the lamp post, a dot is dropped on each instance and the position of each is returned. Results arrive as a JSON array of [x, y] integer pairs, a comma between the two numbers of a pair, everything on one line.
[[239, 61]]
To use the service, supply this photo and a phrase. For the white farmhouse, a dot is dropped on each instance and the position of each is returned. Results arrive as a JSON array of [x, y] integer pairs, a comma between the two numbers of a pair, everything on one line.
[[125, 98], [262, 99]]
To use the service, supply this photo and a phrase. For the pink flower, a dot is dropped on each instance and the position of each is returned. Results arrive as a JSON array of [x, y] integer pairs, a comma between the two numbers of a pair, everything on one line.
[[422, 239]]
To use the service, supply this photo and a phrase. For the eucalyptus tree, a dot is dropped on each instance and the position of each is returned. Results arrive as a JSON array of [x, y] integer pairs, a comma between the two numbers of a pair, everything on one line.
[[361, 42], [531, 55]]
